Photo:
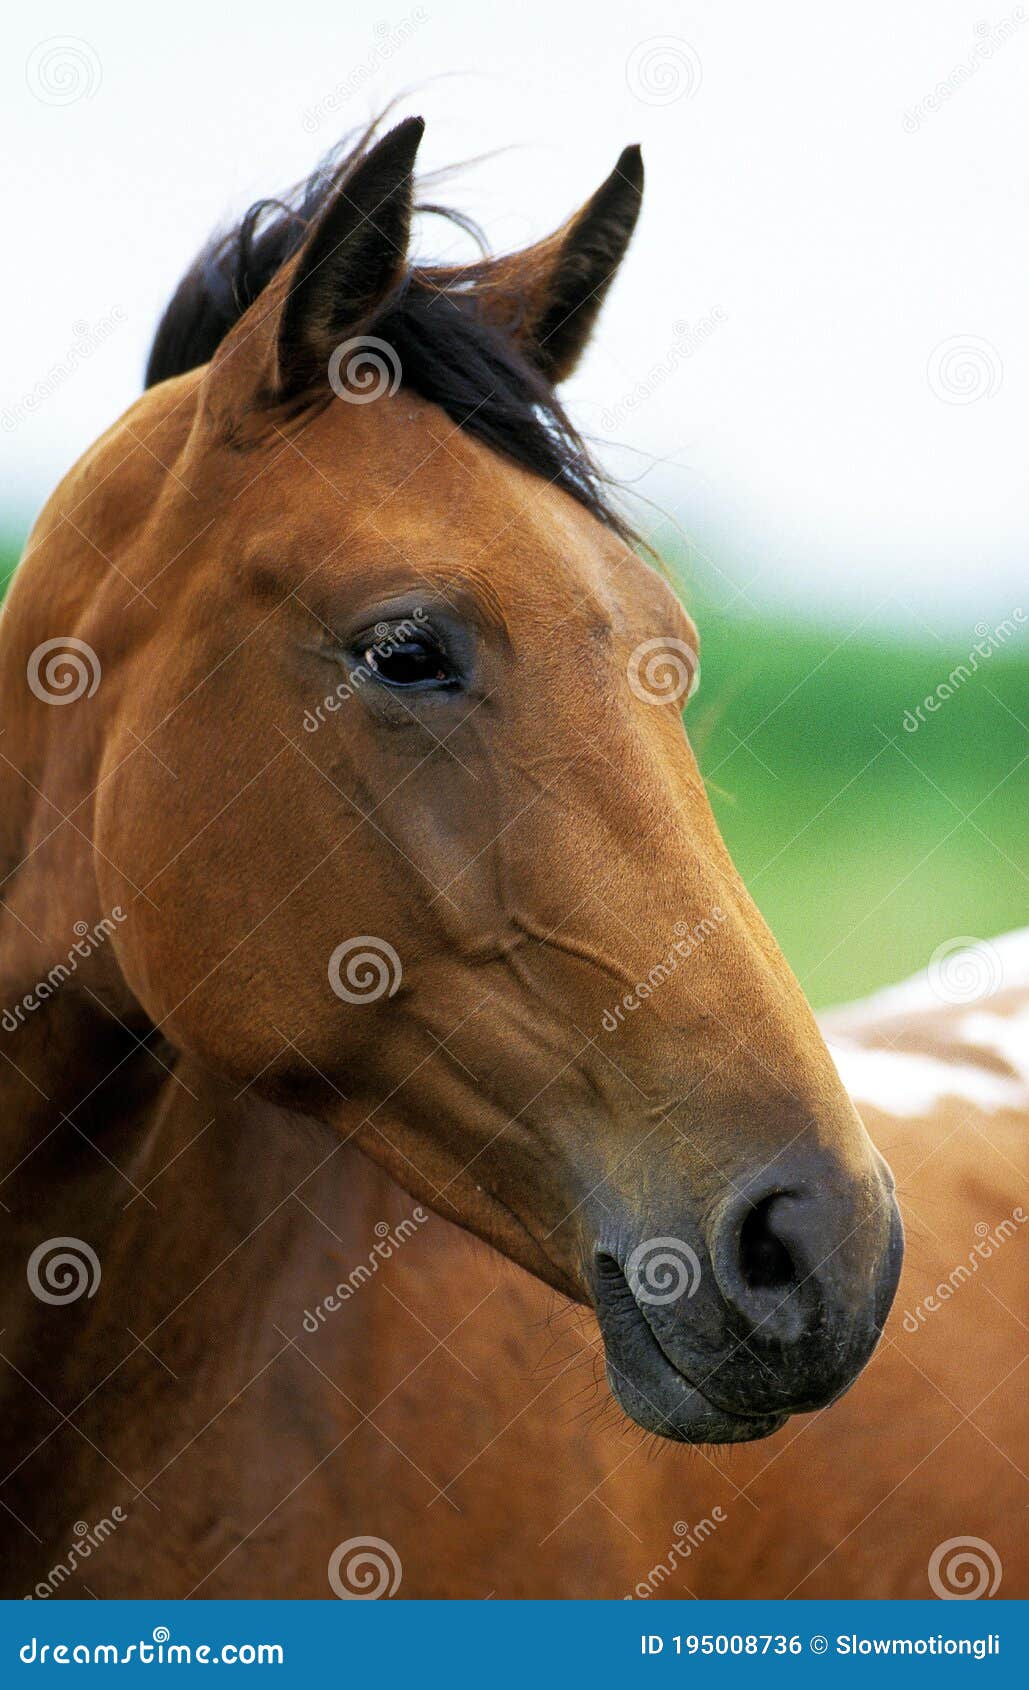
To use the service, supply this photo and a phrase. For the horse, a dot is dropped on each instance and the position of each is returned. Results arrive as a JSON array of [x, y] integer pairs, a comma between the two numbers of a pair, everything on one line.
[[363, 911]]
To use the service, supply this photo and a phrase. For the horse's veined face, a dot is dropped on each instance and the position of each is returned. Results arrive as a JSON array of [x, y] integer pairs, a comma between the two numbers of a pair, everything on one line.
[[438, 868], [443, 873]]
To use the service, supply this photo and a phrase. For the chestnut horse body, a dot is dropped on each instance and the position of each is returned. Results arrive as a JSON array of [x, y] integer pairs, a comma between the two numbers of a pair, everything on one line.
[[361, 895]]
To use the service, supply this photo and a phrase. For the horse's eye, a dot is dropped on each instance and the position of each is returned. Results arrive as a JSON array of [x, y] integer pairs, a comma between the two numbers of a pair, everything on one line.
[[417, 662]]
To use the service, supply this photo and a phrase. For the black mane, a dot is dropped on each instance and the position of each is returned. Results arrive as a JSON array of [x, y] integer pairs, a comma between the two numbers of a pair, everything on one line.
[[447, 351]]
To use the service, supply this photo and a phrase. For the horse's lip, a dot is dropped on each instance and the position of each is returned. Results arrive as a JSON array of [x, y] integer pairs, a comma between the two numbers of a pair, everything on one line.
[[697, 1421], [720, 1408], [655, 1391]]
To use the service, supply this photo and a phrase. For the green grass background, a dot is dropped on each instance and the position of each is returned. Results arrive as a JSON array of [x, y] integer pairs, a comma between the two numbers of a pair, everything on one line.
[[10, 551], [865, 846]]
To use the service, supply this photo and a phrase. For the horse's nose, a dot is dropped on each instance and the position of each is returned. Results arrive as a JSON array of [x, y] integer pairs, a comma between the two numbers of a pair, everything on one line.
[[807, 1276], [765, 1259], [719, 1325]]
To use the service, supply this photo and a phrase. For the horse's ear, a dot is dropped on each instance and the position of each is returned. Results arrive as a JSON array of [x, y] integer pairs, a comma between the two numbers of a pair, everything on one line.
[[350, 260], [353, 258], [550, 294]]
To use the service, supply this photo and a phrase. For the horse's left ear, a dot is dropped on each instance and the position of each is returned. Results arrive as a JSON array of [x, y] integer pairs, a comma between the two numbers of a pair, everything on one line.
[[354, 257], [350, 261], [550, 294]]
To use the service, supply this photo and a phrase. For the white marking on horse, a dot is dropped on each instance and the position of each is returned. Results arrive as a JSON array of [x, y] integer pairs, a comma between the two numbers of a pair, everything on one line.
[[900, 1082], [905, 1082]]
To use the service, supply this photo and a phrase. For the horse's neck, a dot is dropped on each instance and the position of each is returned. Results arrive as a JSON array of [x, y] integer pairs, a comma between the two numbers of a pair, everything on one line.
[[74, 1091], [283, 1350], [241, 1327], [181, 1195]]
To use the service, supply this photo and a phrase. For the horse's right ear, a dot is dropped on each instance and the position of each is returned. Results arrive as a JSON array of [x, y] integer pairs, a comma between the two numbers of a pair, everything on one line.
[[351, 260], [548, 296]]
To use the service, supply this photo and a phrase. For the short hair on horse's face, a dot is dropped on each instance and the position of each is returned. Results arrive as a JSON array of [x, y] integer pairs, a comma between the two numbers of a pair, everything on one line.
[[485, 341]]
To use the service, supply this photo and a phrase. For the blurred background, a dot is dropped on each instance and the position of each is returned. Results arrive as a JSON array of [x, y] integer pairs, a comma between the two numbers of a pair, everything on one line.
[[812, 376]]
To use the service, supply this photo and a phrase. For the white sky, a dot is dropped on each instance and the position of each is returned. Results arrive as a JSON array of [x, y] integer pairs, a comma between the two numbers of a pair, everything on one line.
[[818, 445]]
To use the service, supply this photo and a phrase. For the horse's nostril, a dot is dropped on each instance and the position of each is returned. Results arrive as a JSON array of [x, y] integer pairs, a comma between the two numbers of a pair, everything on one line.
[[763, 1254], [765, 1261]]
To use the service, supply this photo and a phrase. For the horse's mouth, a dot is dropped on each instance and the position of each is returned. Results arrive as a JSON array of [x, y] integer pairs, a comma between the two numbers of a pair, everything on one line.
[[651, 1389]]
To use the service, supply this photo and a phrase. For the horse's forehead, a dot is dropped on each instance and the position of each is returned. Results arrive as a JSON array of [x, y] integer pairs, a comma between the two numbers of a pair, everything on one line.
[[401, 472], [411, 460]]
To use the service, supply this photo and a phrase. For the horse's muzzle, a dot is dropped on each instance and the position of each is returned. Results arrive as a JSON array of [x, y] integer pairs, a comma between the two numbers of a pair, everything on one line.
[[718, 1334]]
